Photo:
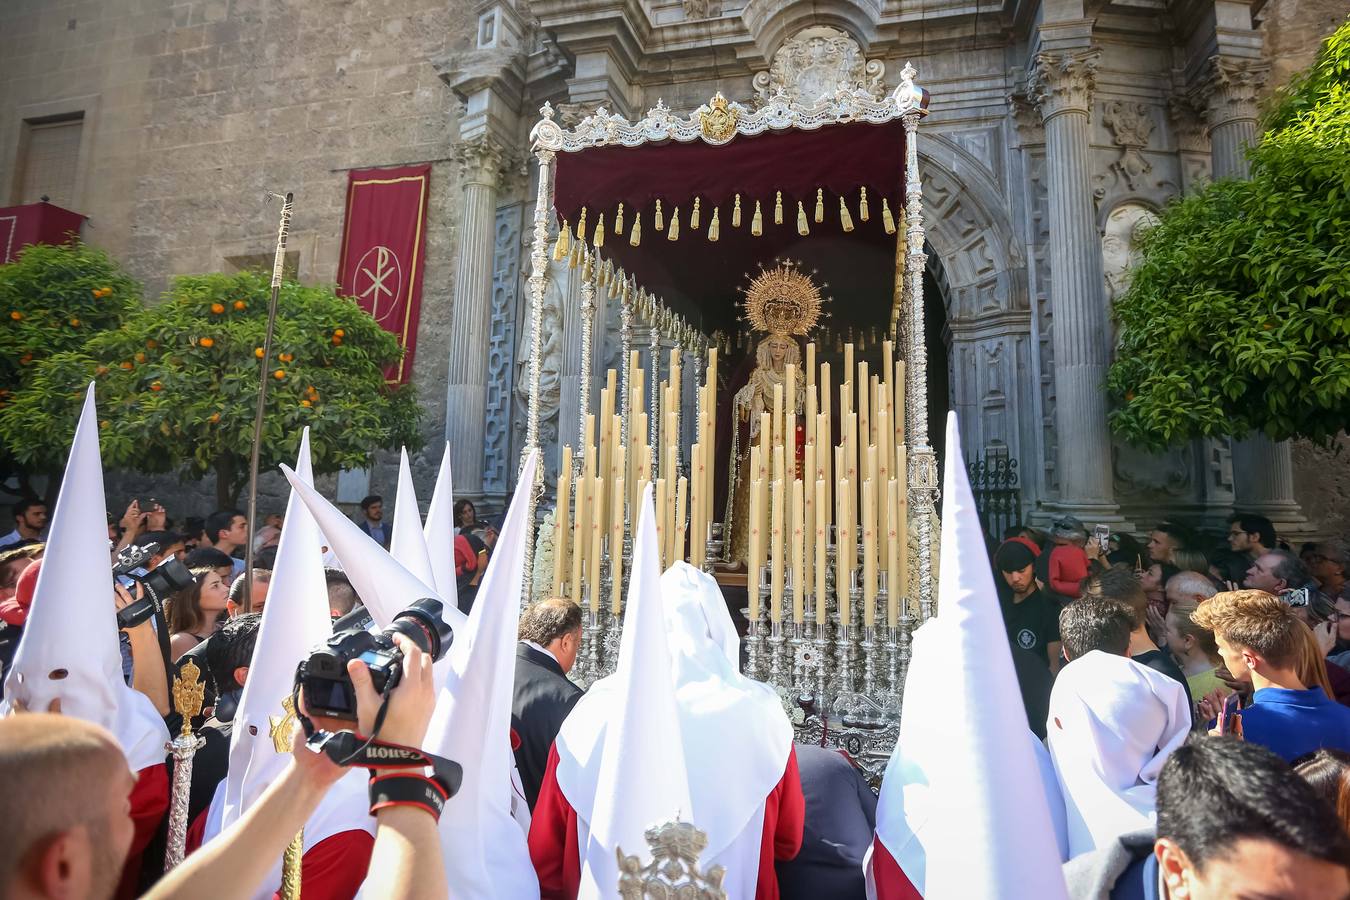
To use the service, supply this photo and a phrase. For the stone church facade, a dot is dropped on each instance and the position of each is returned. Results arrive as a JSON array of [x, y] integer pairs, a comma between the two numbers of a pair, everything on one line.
[[1056, 132]]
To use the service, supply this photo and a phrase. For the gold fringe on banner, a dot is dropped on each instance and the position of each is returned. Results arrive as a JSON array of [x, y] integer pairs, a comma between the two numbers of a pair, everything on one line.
[[673, 233], [694, 216], [845, 220], [564, 242], [618, 221], [635, 236], [659, 222], [802, 228], [581, 226], [886, 218], [736, 213], [778, 209], [820, 205], [714, 228], [599, 239], [757, 221], [863, 213]]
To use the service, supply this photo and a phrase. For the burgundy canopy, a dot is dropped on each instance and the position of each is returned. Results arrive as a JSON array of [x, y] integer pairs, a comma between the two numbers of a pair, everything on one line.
[[701, 278]]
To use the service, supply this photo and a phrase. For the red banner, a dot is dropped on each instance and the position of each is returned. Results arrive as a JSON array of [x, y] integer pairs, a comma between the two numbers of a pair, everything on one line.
[[383, 245]]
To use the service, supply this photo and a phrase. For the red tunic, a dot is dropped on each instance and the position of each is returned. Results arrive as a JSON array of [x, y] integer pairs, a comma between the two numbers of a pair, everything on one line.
[[149, 802], [891, 881], [333, 868], [557, 858]]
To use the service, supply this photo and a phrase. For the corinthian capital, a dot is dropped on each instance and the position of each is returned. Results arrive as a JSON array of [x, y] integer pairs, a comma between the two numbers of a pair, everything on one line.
[[483, 161], [1063, 81], [1228, 92]]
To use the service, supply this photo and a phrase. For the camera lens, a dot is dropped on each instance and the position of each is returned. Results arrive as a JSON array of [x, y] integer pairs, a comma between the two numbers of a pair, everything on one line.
[[423, 624]]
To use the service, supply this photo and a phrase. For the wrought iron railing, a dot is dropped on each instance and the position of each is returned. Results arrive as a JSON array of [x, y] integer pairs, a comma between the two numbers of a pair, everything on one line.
[[998, 496]]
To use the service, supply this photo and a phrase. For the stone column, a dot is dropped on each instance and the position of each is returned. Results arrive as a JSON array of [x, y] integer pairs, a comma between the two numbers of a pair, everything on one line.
[[1263, 472], [483, 165], [1062, 84]]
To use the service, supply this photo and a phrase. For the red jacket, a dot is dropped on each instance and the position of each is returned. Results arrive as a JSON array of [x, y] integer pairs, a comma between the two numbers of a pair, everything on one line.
[[1068, 567], [557, 859], [149, 803]]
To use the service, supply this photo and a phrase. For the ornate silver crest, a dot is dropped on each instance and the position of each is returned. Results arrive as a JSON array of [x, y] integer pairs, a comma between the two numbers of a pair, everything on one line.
[[673, 871], [818, 63]]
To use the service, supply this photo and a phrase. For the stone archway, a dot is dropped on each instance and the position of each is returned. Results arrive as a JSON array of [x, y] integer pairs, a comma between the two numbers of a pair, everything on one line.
[[979, 269]]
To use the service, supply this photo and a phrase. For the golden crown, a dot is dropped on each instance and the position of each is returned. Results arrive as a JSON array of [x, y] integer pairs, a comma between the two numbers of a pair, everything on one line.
[[782, 300]]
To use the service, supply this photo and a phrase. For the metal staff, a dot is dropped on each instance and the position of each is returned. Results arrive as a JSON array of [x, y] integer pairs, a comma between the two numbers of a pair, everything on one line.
[[188, 693], [278, 263]]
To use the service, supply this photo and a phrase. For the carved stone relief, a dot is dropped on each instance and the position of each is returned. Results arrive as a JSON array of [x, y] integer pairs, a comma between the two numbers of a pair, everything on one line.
[[1125, 226], [1131, 125], [1144, 476], [816, 63], [1040, 282], [507, 288]]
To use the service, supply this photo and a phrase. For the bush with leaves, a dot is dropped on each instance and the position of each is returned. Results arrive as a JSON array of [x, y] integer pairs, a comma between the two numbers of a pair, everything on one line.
[[1238, 315], [177, 385]]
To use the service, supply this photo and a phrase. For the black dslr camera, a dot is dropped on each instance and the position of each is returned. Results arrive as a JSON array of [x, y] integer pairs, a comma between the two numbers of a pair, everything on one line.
[[323, 677], [165, 579]]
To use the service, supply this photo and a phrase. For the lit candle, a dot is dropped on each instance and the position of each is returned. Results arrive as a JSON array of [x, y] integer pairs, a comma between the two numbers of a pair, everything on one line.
[[808, 516], [810, 364], [776, 551], [869, 534], [777, 414], [616, 545], [822, 526], [892, 553], [756, 549], [899, 422], [681, 493], [864, 406], [798, 551], [826, 403], [562, 521], [765, 430], [843, 568]]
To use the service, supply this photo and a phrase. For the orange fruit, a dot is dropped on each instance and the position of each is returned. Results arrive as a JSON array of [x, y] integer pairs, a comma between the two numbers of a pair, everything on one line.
[[279, 374], [103, 424], [1129, 395], [140, 357], [286, 357], [156, 386], [240, 304], [97, 292], [208, 343], [215, 417], [101, 370], [16, 315], [305, 403], [152, 344], [217, 308], [258, 352], [339, 333], [26, 358], [74, 323], [126, 365], [337, 341]]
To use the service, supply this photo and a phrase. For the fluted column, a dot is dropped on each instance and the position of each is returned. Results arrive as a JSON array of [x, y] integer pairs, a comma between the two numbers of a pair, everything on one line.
[[1263, 471], [482, 164], [1062, 84]]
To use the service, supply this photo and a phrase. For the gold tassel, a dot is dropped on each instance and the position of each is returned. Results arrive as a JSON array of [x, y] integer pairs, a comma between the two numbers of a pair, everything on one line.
[[564, 242], [802, 228], [757, 222], [618, 221], [635, 236], [863, 212], [778, 209], [581, 226], [599, 239], [694, 216], [886, 218], [714, 228], [673, 234], [820, 206], [575, 256], [660, 223], [736, 213], [845, 219]]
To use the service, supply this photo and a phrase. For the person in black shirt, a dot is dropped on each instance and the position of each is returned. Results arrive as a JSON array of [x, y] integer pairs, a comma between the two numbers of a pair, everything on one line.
[[1030, 617]]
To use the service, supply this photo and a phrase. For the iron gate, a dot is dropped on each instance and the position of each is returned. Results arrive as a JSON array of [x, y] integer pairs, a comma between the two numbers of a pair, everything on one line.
[[998, 496]]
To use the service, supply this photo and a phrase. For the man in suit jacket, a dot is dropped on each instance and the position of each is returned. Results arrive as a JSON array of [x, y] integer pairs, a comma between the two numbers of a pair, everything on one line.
[[841, 816], [372, 520], [550, 636]]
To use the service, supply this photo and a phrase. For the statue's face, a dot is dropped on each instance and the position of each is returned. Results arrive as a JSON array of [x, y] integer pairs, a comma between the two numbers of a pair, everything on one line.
[[778, 349]]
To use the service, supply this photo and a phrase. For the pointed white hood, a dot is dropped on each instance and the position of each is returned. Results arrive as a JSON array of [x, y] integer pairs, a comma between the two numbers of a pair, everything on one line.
[[440, 531], [72, 626], [294, 621], [384, 586], [407, 544], [621, 759], [485, 852], [963, 774]]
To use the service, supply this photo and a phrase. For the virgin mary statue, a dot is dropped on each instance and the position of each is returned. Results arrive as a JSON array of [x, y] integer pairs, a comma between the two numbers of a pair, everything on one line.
[[783, 303]]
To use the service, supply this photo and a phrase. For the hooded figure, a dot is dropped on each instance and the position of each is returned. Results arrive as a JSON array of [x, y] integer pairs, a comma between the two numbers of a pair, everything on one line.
[[1112, 725], [748, 803], [339, 836], [69, 651]]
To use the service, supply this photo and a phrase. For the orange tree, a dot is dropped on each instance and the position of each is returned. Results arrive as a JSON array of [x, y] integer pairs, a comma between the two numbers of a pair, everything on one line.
[[177, 385], [52, 299]]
